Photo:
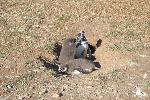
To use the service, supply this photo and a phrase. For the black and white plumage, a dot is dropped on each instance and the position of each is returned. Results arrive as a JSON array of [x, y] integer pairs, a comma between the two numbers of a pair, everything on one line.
[[82, 46], [73, 56], [74, 49]]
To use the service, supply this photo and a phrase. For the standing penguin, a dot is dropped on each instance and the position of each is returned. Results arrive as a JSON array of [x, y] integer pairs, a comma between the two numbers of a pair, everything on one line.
[[67, 50]]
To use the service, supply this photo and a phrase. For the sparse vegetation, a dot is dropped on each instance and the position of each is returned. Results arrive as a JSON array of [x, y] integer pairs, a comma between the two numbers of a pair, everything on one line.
[[50, 72], [29, 28], [114, 34], [115, 46], [127, 47], [148, 84], [15, 82], [49, 46], [115, 73]]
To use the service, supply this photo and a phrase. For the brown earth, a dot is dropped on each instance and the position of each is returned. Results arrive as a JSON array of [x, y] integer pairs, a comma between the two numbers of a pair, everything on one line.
[[30, 28]]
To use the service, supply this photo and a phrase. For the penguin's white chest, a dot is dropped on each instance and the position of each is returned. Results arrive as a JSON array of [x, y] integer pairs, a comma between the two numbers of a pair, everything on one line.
[[81, 50]]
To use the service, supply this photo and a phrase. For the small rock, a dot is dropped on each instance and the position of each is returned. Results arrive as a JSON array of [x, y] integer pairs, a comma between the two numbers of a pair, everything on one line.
[[89, 87], [44, 91], [21, 97], [9, 86], [60, 94], [55, 95], [35, 70], [140, 93], [142, 56], [145, 76]]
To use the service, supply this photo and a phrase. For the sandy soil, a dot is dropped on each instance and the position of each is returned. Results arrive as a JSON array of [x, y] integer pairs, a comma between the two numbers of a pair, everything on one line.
[[30, 28]]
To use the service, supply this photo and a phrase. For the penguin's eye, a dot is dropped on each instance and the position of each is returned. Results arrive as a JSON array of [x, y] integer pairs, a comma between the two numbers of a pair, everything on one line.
[[79, 34]]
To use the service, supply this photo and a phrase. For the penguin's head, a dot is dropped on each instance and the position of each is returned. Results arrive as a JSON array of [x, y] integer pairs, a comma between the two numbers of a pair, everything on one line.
[[81, 37], [63, 68]]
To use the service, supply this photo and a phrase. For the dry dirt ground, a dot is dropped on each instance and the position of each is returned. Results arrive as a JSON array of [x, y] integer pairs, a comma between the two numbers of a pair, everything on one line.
[[30, 28]]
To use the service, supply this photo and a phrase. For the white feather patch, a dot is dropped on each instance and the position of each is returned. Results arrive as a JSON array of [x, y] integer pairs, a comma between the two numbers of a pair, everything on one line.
[[76, 72]]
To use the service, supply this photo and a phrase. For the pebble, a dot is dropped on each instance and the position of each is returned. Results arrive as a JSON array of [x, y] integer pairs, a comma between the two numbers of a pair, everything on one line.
[[140, 93], [145, 76], [55, 95]]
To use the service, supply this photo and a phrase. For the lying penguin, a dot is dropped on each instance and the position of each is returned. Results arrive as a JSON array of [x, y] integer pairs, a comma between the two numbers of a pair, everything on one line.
[[77, 66]]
